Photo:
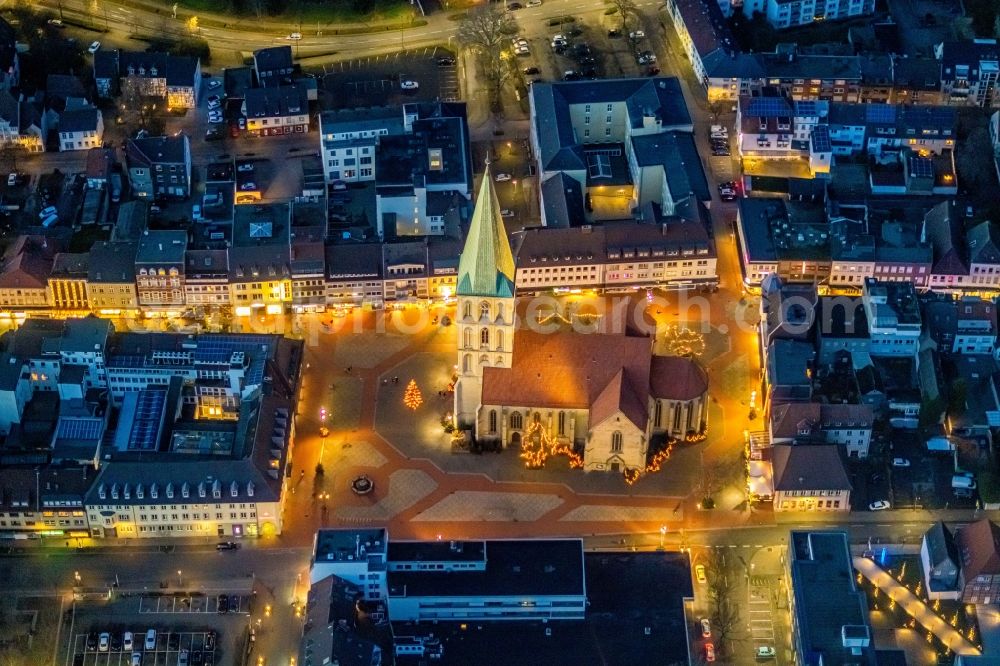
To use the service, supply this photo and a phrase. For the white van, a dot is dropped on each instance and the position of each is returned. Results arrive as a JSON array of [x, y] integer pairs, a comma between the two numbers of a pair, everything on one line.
[[151, 639]]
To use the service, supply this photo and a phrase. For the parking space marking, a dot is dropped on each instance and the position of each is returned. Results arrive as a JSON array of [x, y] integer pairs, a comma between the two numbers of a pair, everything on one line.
[[192, 641]]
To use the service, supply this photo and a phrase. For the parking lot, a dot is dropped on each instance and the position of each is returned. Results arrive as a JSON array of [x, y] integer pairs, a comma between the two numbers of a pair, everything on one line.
[[185, 620], [169, 646], [379, 80]]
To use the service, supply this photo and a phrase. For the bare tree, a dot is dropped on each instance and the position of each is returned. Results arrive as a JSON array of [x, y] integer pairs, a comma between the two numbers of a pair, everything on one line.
[[725, 615], [626, 9], [486, 30]]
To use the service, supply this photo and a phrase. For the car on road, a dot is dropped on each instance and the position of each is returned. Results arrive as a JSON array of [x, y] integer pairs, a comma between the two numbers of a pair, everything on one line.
[[445, 61], [227, 545], [879, 505], [93, 48], [727, 191], [212, 85], [104, 642], [409, 85], [223, 603], [244, 167], [295, 36], [534, 3], [56, 23], [530, 71], [501, 177], [506, 212], [709, 652], [699, 574], [636, 34], [706, 628], [765, 652], [900, 462]]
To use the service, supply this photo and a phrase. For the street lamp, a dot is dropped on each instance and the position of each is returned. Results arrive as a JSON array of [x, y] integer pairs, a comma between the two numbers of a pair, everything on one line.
[[76, 577], [663, 534]]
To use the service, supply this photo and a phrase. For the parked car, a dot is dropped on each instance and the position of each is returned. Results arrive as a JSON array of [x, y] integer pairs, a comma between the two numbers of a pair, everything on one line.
[[210, 641], [248, 186], [636, 34], [506, 212], [104, 642], [900, 462], [646, 58], [501, 177], [534, 3], [709, 652], [765, 652], [214, 101], [699, 573], [56, 23], [570, 75], [116, 642], [530, 71], [196, 212], [409, 85], [706, 628], [182, 658], [92, 639], [12, 179], [127, 641], [244, 167], [879, 505], [614, 33], [445, 61], [136, 659], [94, 47], [223, 603], [212, 85]]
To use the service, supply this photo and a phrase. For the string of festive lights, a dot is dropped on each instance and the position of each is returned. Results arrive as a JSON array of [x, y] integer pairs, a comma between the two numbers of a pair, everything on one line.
[[537, 447], [412, 397], [683, 341]]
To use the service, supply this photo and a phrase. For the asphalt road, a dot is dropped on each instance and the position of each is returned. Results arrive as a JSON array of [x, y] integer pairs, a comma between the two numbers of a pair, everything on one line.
[[248, 35]]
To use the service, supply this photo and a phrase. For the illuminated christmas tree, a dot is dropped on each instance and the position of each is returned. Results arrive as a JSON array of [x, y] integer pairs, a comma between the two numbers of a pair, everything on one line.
[[412, 397]]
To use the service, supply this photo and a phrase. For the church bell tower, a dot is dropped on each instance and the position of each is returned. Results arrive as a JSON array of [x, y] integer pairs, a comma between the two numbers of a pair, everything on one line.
[[485, 295]]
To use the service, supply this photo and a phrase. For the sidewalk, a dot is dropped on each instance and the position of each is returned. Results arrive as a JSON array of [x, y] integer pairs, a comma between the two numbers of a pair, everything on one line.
[[221, 20]]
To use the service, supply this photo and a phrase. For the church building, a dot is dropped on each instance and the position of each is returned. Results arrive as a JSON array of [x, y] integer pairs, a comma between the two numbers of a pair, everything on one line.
[[603, 393]]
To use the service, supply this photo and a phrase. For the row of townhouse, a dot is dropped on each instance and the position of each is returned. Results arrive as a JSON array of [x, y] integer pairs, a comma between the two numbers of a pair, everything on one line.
[[172, 78], [961, 73], [200, 446], [812, 243], [909, 148]]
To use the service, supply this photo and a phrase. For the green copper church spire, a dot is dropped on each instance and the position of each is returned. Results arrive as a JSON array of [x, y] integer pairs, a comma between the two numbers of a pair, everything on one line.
[[486, 267]]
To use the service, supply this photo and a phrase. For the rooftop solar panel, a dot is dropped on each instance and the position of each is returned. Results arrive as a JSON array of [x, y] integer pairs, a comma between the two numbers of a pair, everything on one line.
[[882, 114], [921, 167], [821, 139], [768, 107], [79, 429]]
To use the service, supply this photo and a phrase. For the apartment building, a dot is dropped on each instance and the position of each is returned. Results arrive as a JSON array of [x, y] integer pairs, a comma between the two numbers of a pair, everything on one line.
[[668, 252], [159, 270], [276, 111], [159, 167], [260, 273], [68, 281], [810, 477], [111, 277], [894, 318], [417, 157]]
